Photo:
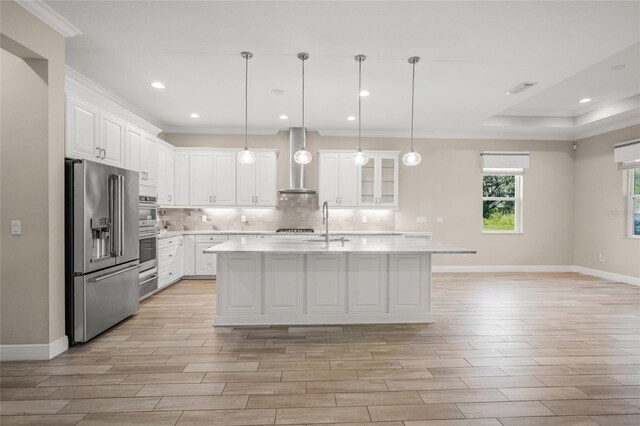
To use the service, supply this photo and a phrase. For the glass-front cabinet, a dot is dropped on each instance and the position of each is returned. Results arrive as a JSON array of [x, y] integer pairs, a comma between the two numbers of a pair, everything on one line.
[[378, 180]]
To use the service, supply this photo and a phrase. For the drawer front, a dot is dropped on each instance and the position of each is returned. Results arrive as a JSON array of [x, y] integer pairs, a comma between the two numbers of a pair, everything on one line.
[[211, 238], [168, 242], [168, 256], [168, 274]]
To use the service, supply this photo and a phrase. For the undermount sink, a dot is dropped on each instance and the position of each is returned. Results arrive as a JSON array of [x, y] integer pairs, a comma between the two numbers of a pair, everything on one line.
[[322, 240]]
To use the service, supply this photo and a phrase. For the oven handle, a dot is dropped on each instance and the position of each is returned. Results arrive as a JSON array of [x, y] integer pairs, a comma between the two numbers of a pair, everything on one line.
[[151, 278], [148, 234]]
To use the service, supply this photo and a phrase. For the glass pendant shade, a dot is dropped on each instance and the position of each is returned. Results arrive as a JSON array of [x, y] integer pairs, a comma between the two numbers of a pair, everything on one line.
[[302, 157], [411, 158], [360, 158], [246, 157]]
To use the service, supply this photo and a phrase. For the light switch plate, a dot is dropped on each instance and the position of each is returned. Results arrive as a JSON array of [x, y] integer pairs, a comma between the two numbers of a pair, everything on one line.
[[16, 227], [421, 219], [364, 219], [243, 219], [439, 219], [204, 217]]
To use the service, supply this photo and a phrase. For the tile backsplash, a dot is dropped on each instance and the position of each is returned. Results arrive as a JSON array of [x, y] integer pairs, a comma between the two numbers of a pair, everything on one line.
[[293, 211]]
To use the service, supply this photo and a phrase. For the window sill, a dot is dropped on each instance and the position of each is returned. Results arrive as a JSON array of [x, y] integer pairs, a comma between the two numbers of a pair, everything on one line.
[[503, 232], [632, 237]]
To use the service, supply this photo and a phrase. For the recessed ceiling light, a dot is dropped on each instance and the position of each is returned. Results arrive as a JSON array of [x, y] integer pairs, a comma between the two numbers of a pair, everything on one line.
[[618, 67], [277, 92], [284, 117], [364, 93], [351, 118], [194, 115], [584, 100], [157, 85]]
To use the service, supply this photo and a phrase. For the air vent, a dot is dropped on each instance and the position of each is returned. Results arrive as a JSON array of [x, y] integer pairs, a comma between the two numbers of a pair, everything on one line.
[[521, 87]]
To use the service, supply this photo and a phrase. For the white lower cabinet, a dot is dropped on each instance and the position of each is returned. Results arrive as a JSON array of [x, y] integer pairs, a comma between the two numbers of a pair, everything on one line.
[[408, 283], [243, 293], [169, 261], [367, 283], [204, 262], [284, 283], [326, 284], [189, 255]]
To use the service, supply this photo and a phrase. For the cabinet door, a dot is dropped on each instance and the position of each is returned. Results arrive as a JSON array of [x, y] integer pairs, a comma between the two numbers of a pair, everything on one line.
[[133, 142], [367, 283], [224, 178], [204, 262], [181, 177], [367, 194], [112, 139], [240, 288], [408, 285], [265, 179], [283, 283], [82, 130], [329, 179], [149, 160], [163, 162], [200, 179], [348, 181], [245, 184], [189, 254], [387, 175], [326, 284]]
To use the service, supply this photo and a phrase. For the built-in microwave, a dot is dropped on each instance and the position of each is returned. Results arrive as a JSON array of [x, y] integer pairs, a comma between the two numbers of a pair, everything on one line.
[[148, 212]]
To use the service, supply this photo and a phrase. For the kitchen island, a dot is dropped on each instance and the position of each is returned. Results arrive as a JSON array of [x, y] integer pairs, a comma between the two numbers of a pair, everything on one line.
[[367, 280]]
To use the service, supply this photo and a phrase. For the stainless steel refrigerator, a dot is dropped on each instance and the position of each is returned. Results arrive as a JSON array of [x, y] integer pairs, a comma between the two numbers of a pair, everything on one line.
[[101, 247]]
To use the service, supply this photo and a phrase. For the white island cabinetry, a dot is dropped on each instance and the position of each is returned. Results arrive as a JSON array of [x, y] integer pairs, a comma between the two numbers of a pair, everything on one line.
[[373, 280]]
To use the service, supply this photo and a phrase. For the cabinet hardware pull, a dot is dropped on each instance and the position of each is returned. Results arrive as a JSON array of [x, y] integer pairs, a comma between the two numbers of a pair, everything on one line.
[[253, 200], [214, 198], [104, 153], [98, 149], [256, 199], [336, 200], [169, 197], [210, 199]]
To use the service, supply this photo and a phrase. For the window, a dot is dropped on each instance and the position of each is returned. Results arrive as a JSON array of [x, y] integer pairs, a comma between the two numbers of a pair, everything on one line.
[[634, 202], [501, 203]]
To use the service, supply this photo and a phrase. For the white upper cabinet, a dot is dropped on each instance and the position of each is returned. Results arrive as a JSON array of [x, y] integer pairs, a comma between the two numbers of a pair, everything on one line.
[[378, 181], [82, 130], [256, 183], [112, 139], [133, 142], [201, 178], [165, 176], [149, 160], [338, 179], [181, 178], [224, 178]]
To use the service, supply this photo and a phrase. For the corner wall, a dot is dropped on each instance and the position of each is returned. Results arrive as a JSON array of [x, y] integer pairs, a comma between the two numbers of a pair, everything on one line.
[[32, 186], [601, 216]]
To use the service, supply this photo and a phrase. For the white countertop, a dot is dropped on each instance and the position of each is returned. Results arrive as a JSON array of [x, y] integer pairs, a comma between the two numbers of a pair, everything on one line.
[[371, 245], [170, 234]]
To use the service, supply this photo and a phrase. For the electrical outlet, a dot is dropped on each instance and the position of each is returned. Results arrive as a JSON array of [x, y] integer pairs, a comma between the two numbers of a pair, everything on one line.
[[421, 219], [601, 257], [439, 219], [243, 219], [364, 219], [204, 217], [16, 227]]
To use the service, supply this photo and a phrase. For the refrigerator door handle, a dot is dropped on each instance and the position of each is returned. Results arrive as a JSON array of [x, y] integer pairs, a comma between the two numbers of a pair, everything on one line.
[[113, 214], [113, 274], [120, 215]]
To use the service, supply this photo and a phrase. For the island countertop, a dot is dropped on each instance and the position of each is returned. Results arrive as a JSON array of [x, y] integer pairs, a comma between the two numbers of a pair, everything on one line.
[[369, 245]]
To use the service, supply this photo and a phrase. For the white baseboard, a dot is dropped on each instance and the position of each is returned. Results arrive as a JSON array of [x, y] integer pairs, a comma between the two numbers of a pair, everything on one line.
[[627, 279], [504, 268], [36, 352]]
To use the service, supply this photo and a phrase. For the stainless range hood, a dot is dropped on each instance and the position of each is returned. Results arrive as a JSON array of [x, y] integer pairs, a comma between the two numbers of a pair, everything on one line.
[[297, 172]]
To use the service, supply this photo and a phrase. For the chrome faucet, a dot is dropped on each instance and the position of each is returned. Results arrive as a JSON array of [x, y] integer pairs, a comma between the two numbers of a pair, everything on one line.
[[325, 220]]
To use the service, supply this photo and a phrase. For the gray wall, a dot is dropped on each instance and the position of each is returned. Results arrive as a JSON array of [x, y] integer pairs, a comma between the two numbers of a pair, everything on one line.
[[601, 216], [32, 179]]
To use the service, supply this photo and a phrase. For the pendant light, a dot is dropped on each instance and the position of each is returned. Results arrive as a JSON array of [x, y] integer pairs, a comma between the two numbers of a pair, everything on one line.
[[246, 156], [303, 156], [412, 158], [360, 158]]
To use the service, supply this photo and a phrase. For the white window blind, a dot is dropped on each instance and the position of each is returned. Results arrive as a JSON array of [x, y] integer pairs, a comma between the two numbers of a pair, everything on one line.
[[627, 154], [504, 162]]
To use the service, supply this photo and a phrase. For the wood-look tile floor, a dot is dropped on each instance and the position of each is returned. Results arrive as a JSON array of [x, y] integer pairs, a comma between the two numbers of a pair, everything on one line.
[[506, 349]]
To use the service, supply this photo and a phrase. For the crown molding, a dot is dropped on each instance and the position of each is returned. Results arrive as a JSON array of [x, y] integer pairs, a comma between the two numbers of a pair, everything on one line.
[[50, 17], [75, 81], [220, 131], [446, 135]]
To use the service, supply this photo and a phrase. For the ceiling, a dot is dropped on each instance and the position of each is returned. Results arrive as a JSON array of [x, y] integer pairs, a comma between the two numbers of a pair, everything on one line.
[[471, 53]]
